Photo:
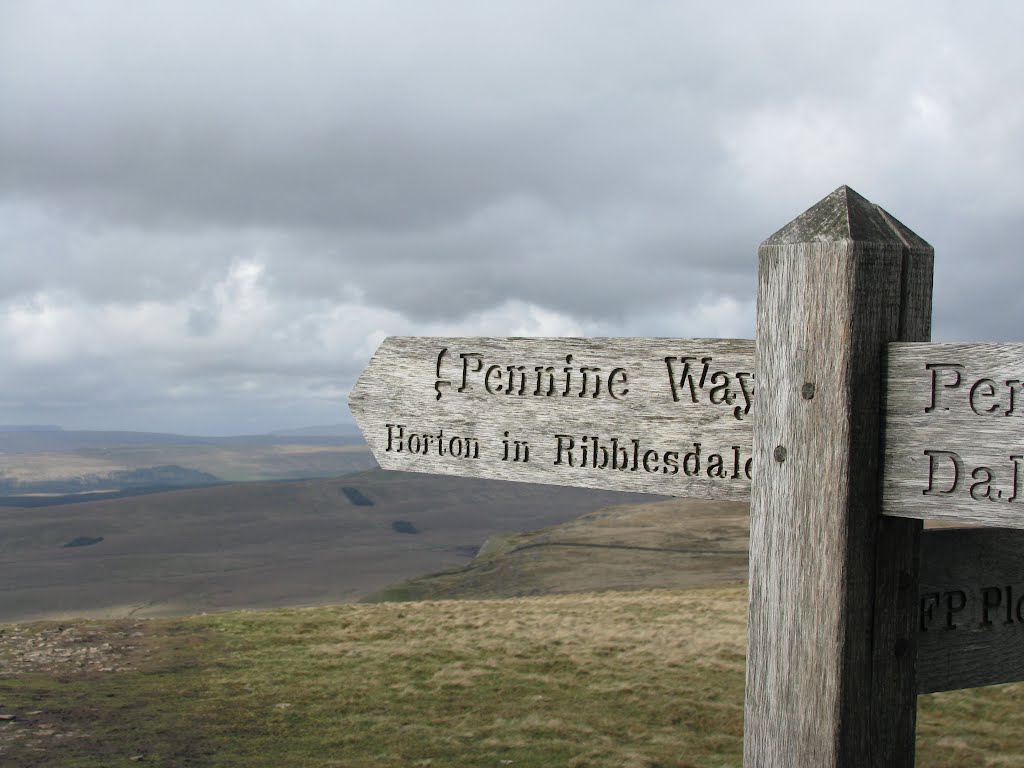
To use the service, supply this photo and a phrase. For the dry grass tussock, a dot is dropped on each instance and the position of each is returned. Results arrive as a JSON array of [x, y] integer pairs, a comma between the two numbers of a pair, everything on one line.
[[648, 678], [645, 678], [668, 626]]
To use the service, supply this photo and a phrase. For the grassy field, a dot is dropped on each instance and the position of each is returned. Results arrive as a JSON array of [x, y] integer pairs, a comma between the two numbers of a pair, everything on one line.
[[638, 680]]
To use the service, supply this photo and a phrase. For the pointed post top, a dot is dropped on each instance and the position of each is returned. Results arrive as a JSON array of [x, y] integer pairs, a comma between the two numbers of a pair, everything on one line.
[[845, 216]]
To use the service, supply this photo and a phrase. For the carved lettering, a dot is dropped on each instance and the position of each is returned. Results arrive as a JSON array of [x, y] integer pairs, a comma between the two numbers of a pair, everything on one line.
[[746, 381], [542, 372], [929, 603], [563, 450], [937, 369], [977, 608], [933, 466], [720, 393], [991, 597], [617, 381], [651, 461], [424, 443], [947, 470], [515, 450], [441, 382], [983, 388], [466, 358], [982, 489], [513, 371], [1014, 386], [493, 372], [985, 396], [688, 378], [494, 378], [633, 455], [716, 466], [954, 602], [691, 461]]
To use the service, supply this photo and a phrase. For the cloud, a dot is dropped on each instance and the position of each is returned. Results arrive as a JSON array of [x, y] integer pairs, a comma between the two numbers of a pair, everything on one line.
[[232, 203]]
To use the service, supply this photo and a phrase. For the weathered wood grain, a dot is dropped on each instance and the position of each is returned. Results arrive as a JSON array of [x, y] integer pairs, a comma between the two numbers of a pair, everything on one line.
[[665, 416], [970, 612], [955, 432], [834, 288], [897, 546]]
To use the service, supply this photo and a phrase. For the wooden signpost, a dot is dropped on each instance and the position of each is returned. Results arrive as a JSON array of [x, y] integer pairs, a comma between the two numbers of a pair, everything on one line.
[[955, 433], [970, 610], [665, 416], [842, 632]]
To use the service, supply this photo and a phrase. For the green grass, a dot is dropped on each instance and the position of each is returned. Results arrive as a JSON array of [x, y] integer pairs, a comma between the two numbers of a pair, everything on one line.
[[571, 682], [637, 679]]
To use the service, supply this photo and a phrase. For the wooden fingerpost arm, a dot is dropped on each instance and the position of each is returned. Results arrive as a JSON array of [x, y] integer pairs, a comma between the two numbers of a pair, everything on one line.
[[830, 660]]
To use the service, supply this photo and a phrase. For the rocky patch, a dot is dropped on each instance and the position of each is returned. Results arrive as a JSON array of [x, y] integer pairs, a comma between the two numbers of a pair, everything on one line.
[[61, 650], [69, 648]]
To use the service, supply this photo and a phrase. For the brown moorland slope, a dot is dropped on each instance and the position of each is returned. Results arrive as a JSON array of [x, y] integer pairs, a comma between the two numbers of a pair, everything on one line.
[[676, 543], [260, 544]]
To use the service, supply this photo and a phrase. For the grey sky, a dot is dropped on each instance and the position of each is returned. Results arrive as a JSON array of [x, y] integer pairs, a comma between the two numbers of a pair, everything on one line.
[[211, 213]]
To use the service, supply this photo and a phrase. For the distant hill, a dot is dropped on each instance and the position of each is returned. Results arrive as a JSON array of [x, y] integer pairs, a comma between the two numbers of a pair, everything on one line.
[[252, 545], [327, 430], [162, 476], [30, 428], [28, 441], [22, 440], [59, 462], [678, 543]]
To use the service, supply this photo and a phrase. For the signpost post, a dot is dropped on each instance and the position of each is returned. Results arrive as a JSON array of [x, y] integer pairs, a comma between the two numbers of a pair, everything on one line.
[[830, 663], [802, 426]]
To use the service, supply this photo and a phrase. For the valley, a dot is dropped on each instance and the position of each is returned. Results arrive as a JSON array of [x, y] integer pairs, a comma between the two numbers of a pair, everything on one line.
[[260, 545]]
